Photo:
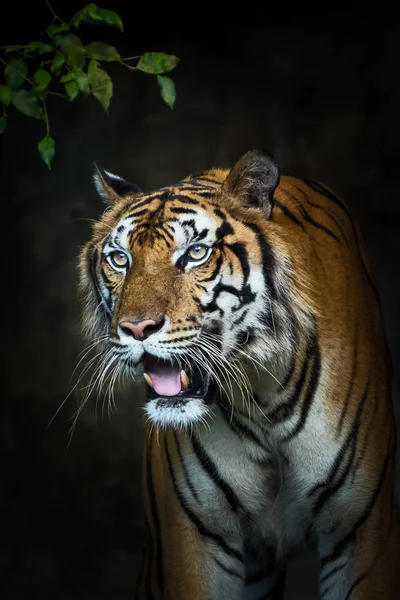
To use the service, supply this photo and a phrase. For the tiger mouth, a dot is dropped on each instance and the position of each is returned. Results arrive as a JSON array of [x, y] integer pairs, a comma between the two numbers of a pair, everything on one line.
[[168, 381]]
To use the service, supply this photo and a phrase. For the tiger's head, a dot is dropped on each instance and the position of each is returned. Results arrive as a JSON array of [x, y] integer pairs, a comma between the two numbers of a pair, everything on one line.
[[191, 285]]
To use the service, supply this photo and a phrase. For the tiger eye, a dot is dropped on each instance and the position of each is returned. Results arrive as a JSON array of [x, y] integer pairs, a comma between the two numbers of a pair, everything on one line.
[[119, 259], [197, 252]]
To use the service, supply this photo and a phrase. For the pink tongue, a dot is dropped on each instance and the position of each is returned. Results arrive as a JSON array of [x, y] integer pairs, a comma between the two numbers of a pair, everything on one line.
[[166, 380]]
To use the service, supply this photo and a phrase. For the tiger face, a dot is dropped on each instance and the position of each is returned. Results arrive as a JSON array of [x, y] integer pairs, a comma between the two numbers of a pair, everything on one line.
[[187, 285]]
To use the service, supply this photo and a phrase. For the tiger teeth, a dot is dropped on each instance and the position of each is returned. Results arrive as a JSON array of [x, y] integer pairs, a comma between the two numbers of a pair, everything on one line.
[[148, 380], [184, 380]]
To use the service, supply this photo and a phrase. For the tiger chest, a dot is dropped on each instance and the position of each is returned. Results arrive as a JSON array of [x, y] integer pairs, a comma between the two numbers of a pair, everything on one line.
[[233, 484]]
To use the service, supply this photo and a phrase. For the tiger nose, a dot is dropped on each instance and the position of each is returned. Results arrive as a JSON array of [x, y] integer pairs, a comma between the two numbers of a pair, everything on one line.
[[141, 330]]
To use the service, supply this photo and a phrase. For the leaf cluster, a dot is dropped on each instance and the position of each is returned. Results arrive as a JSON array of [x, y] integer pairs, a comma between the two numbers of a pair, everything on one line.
[[62, 65]]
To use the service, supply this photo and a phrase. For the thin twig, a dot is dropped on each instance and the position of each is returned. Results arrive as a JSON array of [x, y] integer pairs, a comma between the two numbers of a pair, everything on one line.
[[46, 116], [129, 66], [52, 11], [58, 95], [132, 57]]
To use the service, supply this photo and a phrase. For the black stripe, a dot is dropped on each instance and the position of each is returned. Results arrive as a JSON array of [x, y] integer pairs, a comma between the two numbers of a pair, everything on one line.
[[178, 339], [168, 233], [193, 517], [240, 429], [320, 189], [307, 403], [215, 181], [336, 569], [242, 317], [268, 259], [139, 213], [366, 440], [185, 199], [240, 251], [216, 270], [330, 487], [223, 230], [356, 583], [351, 536], [289, 373], [346, 402], [104, 303], [316, 224], [322, 207], [220, 213], [209, 466], [184, 469], [227, 570], [286, 409], [183, 210], [289, 214], [365, 574], [156, 520], [137, 205]]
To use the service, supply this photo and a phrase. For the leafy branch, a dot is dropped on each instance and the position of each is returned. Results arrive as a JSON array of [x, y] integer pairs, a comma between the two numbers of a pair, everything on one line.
[[62, 61]]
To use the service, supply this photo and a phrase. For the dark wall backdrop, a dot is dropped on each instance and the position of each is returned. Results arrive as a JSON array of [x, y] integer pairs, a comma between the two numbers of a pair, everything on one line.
[[319, 88]]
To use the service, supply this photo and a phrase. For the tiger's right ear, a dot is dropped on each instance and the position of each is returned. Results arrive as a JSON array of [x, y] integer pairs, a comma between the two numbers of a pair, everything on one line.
[[253, 179], [111, 188]]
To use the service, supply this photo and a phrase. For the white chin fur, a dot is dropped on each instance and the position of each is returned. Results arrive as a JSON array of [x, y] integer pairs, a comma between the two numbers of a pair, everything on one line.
[[160, 413]]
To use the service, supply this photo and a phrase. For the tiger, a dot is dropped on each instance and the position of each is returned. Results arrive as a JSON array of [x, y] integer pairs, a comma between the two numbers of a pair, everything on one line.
[[242, 301]]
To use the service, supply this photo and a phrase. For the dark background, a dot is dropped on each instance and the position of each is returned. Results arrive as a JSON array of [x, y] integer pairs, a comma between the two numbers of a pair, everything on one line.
[[318, 87]]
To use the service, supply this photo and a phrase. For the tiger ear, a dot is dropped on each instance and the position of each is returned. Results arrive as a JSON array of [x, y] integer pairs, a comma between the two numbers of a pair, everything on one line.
[[111, 187], [254, 179]]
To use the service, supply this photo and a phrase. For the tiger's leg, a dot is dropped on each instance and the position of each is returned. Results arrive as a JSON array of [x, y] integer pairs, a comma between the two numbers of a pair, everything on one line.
[[266, 585], [265, 576], [363, 561], [185, 558]]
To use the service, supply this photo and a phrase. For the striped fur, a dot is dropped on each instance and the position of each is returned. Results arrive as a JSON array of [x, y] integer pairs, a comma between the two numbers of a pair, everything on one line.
[[296, 443]]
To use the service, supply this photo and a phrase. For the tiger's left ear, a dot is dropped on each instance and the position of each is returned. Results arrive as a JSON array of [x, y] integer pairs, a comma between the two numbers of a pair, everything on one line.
[[110, 187], [254, 179]]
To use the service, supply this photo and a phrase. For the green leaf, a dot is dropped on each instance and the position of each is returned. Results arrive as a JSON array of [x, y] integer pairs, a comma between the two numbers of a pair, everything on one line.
[[67, 77], [57, 63], [96, 15], [3, 124], [83, 82], [101, 84], [72, 89], [54, 29], [47, 149], [102, 51], [42, 79], [168, 91], [79, 81], [5, 95], [157, 62], [72, 48], [27, 103], [40, 47], [15, 73]]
